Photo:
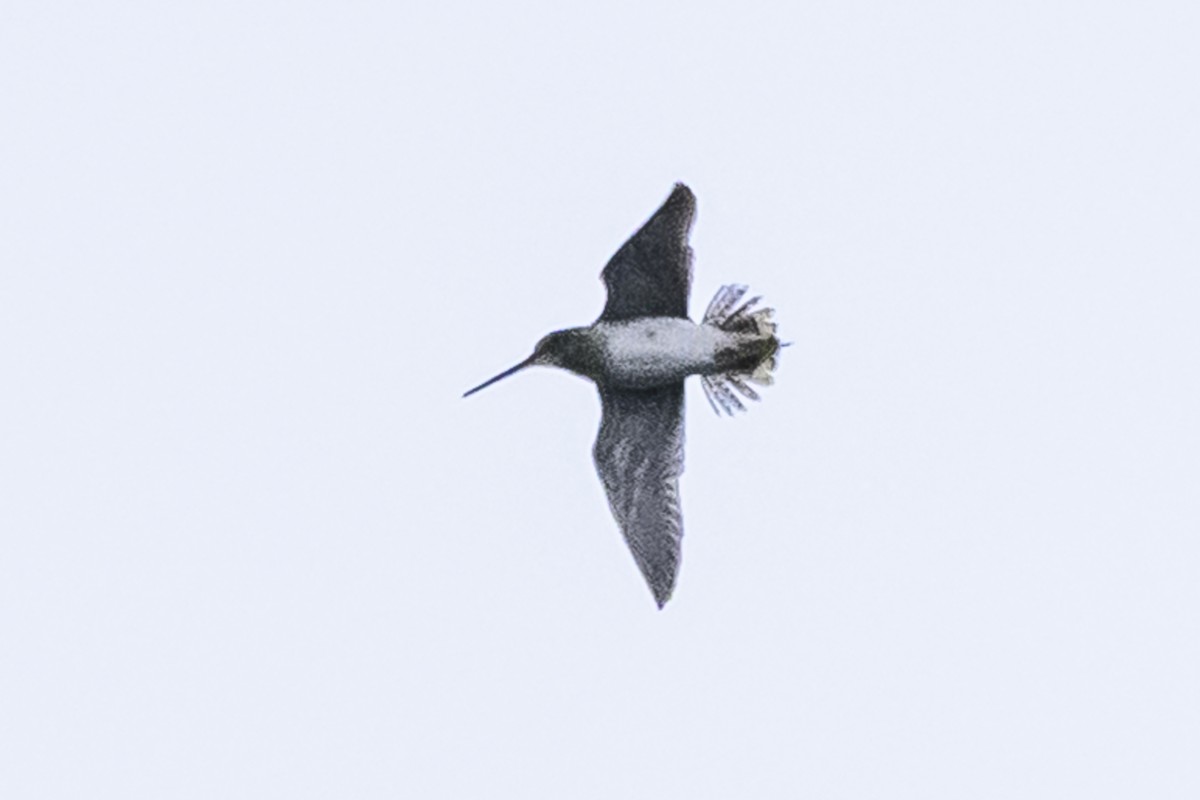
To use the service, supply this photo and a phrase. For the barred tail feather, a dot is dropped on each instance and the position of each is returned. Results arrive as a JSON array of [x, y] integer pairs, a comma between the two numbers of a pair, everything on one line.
[[721, 312], [725, 299]]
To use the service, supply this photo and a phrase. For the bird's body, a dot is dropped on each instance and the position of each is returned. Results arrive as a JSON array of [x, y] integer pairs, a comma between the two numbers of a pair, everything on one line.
[[649, 352], [638, 353], [656, 351]]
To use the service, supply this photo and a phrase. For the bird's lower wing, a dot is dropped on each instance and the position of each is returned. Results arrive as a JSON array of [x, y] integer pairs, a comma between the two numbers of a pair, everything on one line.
[[639, 455]]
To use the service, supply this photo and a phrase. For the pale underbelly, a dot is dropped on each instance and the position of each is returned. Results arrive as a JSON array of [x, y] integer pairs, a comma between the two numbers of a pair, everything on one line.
[[645, 353]]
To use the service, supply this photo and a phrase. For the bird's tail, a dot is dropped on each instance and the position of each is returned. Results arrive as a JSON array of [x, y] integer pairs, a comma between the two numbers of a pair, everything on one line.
[[725, 313]]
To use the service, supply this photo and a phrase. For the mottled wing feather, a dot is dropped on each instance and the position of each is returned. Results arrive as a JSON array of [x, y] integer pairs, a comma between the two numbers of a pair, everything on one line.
[[639, 455], [651, 275]]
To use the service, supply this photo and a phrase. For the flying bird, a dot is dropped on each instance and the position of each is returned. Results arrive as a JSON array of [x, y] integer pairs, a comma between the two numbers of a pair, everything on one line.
[[638, 353]]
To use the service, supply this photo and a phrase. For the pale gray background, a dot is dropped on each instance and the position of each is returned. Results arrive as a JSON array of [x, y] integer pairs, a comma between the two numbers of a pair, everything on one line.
[[254, 545]]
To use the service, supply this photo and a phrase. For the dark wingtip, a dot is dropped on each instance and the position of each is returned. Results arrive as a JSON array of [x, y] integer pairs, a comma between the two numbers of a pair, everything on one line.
[[684, 190]]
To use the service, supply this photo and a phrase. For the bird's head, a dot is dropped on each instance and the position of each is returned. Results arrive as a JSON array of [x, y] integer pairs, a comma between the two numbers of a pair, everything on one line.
[[570, 349]]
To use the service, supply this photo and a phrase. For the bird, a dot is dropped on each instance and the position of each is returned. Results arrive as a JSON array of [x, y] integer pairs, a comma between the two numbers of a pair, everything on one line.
[[638, 353]]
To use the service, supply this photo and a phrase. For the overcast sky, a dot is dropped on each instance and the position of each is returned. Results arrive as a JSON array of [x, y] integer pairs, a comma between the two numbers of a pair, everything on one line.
[[253, 544]]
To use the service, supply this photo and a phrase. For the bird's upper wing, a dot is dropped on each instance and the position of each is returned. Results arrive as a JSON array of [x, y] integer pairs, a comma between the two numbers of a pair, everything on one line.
[[639, 455], [651, 275]]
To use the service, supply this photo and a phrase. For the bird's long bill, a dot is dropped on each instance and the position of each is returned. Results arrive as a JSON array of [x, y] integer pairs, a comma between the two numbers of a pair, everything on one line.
[[527, 362]]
